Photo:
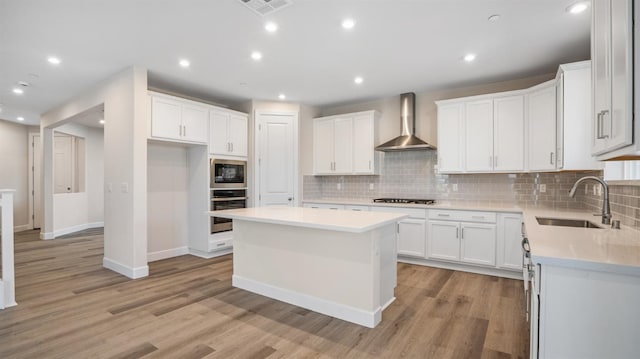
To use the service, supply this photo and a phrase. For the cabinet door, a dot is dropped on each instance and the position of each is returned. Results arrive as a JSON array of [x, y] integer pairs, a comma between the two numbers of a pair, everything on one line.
[[509, 241], [323, 146], [343, 145], [363, 152], [619, 121], [195, 123], [444, 241], [542, 129], [600, 50], [479, 136], [450, 138], [218, 142], [237, 134], [411, 237], [166, 118], [508, 133], [478, 243]]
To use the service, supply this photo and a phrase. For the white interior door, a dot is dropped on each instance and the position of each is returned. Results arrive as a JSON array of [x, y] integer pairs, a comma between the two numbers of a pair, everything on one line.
[[37, 183], [276, 159], [63, 164]]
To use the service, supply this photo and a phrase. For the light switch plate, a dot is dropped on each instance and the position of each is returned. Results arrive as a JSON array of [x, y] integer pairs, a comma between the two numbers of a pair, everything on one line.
[[543, 188], [455, 187]]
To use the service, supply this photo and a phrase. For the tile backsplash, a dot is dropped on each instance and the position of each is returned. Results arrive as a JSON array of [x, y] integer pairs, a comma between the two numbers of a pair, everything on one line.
[[413, 174], [624, 201]]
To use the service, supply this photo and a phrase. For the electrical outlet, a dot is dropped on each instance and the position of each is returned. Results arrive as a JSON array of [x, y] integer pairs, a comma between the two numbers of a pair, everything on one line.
[[595, 190], [455, 187], [599, 189], [339, 186], [371, 187], [543, 188], [124, 187]]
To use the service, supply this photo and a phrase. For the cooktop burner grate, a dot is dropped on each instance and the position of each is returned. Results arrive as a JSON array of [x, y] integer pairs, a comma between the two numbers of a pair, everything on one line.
[[404, 200]]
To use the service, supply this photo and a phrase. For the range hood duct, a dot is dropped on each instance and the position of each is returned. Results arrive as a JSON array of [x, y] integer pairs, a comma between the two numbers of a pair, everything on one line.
[[407, 141]]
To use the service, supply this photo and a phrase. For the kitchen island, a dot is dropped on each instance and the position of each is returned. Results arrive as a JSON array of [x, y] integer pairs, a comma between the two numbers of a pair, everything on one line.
[[333, 262]]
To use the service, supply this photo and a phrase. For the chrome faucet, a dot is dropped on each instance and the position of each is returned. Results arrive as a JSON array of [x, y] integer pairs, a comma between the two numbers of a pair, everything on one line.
[[606, 209]]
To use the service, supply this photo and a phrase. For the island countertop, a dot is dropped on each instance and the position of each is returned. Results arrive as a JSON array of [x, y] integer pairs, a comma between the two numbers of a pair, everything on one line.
[[352, 221]]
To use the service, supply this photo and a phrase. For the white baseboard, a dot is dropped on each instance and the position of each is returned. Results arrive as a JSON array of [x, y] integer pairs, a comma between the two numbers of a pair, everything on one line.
[[130, 272], [333, 309], [504, 273], [21, 228], [72, 229], [167, 253], [209, 255]]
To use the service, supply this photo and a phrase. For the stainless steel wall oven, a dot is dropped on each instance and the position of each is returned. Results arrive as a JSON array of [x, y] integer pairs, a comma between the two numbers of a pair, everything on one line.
[[226, 199]]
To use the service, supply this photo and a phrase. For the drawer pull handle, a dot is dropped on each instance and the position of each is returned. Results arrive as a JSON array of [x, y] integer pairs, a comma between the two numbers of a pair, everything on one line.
[[443, 215], [220, 244], [478, 217]]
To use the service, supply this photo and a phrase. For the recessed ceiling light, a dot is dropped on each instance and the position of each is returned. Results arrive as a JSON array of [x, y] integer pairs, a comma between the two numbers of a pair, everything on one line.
[[358, 80], [494, 18], [53, 60], [18, 91], [348, 24], [256, 55], [271, 26], [184, 63], [282, 96], [469, 57], [101, 122], [20, 119], [578, 7]]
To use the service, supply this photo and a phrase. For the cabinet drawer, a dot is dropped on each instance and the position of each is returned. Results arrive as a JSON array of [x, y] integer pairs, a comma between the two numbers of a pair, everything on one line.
[[220, 244], [412, 212], [466, 216]]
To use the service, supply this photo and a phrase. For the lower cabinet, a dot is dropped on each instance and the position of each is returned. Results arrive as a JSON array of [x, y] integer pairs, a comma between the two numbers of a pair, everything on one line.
[[464, 242], [509, 241], [323, 205], [412, 231]]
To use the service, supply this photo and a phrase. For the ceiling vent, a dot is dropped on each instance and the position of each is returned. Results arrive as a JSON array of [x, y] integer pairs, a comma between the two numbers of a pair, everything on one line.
[[265, 7]]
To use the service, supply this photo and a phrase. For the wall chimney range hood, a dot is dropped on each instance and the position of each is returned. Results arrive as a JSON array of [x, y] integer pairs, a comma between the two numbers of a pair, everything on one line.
[[407, 141]]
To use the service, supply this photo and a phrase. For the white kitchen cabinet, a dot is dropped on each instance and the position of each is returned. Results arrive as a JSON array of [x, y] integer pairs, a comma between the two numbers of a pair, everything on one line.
[[479, 135], [412, 231], [509, 254], [508, 133], [462, 236], [541, 111], [228, 133], [612, 56], [177, 119], [451, 138], [574, 109], [324, 206], [344, 144]]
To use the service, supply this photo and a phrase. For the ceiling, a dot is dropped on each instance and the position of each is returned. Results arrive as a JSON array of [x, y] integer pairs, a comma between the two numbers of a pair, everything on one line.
[[395, 46]]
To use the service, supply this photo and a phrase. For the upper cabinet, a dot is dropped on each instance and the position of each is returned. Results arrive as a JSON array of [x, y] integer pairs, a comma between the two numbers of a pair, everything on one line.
[[176, 119], [228, 133], [612, 40], [344, 144], [541, 112], [450, 137]]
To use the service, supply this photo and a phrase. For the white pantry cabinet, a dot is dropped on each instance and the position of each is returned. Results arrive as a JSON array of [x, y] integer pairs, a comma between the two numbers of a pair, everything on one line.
[[541, 111], [228, 133], [344, 144], [612, 38], [173, 118]]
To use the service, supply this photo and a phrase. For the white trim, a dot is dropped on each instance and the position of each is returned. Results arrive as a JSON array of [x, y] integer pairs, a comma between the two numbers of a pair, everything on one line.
[[167, 253], [23, 227], [72, 229], [133, 273], [296, 153], [495, 272], [333, 309], [209, 255], [30, 179]]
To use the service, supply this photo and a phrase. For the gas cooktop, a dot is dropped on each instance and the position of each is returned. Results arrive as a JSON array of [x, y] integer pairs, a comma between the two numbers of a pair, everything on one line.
[[404, 200]]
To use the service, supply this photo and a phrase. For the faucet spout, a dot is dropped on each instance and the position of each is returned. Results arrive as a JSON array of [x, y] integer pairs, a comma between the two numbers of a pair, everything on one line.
[[606, 208]]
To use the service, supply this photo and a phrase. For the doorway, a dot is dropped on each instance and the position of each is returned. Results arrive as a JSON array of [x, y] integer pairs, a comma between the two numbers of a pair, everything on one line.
[[276, 164]]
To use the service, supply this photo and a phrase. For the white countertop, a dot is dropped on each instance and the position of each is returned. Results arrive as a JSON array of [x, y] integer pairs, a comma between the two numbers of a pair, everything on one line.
[[355, 222], [606, 249]]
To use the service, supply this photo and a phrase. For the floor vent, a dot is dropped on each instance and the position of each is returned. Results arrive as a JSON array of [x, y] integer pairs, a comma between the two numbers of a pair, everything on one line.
[[265, 7]]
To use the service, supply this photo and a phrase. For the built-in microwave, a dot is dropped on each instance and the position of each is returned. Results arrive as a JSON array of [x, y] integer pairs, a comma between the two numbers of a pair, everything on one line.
[[228, 173]]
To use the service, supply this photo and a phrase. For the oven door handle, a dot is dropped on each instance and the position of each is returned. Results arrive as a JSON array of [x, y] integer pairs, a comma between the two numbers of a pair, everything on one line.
[[227, 199]]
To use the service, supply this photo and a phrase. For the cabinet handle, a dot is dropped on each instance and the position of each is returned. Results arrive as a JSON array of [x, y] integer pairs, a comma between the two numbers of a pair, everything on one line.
[[220, 244], [551, 158], [599, 125], [478, 217], [184, 131], [604, 113], [231, 146], [180, 129], [369, 164], [457, 230], [462, 233], [443, 215]]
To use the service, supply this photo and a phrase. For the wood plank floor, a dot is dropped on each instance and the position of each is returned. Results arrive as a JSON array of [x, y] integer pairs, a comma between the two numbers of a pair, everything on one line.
[[70, 307]]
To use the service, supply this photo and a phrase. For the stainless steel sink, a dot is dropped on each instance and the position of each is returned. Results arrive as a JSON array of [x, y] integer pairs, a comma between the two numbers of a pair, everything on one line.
[[566, 222]]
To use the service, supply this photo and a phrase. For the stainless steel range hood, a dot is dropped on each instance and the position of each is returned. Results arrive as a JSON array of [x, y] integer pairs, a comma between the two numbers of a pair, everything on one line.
[[407, 141]]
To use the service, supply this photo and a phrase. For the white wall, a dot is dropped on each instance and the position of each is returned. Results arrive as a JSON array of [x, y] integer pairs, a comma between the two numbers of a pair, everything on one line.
[[127, 114], [77, 211], [14, 166], [167, 200]]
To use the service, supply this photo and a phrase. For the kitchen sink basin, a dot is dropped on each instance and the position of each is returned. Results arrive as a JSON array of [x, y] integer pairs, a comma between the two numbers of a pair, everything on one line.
[[566, 222]]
